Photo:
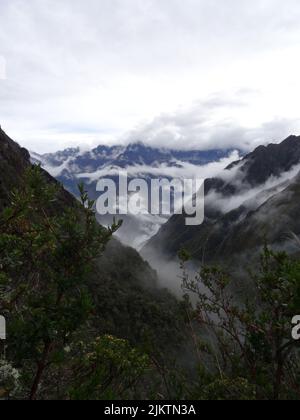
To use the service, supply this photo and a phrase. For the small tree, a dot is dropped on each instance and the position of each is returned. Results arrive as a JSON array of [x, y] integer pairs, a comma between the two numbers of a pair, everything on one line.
[[106, 369], [248, 341]]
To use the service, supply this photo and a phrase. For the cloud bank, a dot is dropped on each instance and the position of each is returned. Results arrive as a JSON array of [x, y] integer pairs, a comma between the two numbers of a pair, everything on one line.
[[186, 73]]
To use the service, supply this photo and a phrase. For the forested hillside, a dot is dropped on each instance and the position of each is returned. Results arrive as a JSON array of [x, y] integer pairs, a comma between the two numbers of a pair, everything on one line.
[[86, 320], [66, 281]]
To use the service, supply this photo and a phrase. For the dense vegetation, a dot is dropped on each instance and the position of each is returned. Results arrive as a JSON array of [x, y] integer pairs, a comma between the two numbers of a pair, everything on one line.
[[80, 327], [246, 349], [61, 309]]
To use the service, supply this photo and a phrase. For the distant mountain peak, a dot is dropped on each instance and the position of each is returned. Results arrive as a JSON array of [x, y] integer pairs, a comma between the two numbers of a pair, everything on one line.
[[136, 153]]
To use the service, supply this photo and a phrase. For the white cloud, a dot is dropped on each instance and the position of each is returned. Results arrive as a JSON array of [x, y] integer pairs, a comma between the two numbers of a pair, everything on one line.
[[251, 198], [89, 71], [222, 121], [182, 170]]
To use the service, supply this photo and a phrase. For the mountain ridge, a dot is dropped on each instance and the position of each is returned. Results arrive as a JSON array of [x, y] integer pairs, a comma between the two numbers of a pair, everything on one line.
[[133, 154], [263, 189]]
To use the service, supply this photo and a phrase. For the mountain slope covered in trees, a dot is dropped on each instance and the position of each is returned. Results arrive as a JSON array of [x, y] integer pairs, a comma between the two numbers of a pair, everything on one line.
[[65, 280], [86, 321]]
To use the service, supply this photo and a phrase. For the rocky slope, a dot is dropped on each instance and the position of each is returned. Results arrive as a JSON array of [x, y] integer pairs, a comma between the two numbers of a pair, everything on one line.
[[13, 161]]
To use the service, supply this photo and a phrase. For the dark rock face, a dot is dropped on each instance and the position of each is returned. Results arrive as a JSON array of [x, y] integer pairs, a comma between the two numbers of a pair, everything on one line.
[[267, 214], [13, 161], [272, 160]]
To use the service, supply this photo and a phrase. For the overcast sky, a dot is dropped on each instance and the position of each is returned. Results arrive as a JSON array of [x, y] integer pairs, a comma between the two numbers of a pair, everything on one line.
[[192, 73]]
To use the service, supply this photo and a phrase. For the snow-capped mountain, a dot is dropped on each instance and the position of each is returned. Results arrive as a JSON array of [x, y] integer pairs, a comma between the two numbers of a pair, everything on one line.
[[73, 166], [74, 161]]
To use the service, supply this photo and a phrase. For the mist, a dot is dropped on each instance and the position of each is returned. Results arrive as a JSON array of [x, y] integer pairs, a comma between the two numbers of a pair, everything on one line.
[[249, 197]]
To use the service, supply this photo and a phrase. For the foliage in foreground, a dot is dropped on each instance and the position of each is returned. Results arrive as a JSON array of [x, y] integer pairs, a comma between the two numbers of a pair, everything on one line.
[[246, 350], [58, 347], [45, 258]]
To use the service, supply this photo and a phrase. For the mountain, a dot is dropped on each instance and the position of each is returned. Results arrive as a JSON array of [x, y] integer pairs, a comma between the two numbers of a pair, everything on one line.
[[73, 166], [13, 161], [124, 287], [74, 161], [254, 201]]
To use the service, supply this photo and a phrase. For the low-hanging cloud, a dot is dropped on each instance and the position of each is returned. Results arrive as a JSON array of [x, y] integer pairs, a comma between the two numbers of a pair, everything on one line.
[[247, 196], [182, 170]]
